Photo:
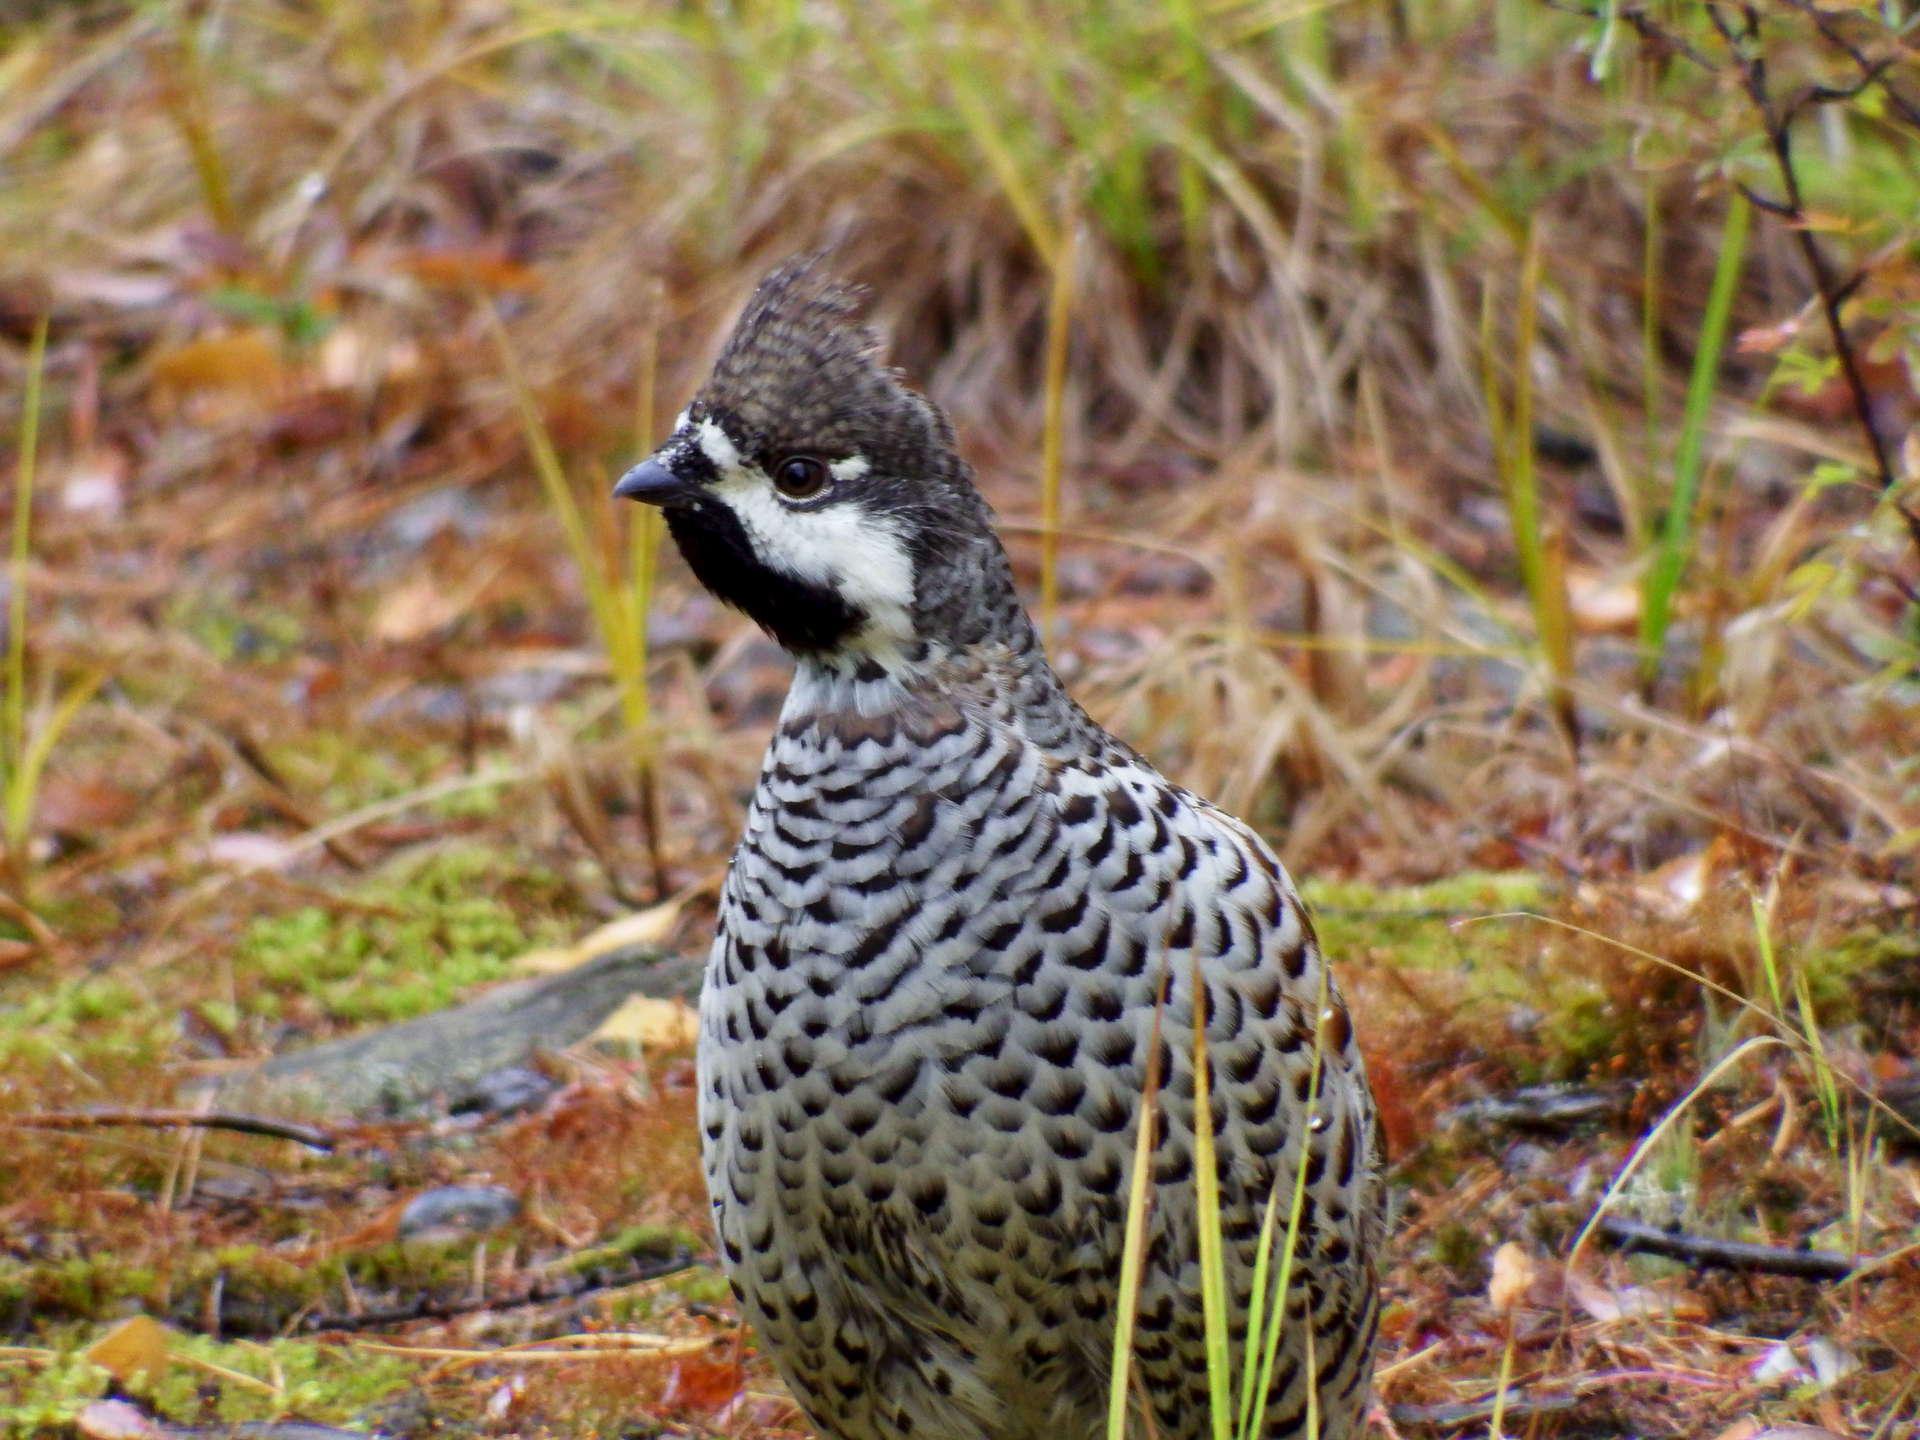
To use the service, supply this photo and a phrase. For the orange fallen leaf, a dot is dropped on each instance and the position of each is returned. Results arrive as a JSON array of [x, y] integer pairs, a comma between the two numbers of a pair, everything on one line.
[[237, 360], [455, 269], [696, 1384]]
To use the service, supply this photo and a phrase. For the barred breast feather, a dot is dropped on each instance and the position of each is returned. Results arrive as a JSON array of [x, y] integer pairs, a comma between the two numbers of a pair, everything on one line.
[[926, 1031]]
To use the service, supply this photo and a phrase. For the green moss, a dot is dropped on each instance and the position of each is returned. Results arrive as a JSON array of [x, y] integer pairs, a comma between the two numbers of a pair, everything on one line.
[[1461, 1249], [320, 1382], [412, 941], [701, 1285], [346, 772], [1413, 927], [230, 632], [69, 1019], [651, 1241], [1835, 972], [77, 1286]]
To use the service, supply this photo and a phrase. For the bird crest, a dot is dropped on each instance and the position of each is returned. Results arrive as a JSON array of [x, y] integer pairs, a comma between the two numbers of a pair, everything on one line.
[[800, 355]]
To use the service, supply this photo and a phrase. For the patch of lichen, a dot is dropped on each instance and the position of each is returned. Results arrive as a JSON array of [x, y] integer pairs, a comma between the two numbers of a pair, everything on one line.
[[316, 1381], [407, 942]]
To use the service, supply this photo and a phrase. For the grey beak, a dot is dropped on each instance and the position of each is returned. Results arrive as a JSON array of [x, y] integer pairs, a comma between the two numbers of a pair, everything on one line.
[[652, 483]]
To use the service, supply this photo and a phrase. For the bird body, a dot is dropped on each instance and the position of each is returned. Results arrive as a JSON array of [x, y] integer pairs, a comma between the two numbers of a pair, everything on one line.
[[960, 922]]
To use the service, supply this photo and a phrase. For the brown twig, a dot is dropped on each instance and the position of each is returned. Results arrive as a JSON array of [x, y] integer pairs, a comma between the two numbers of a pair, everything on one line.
[[310, 1136], [1518, 1404], [1777, 125], [542, 1291], [1738, 24], [1711, 1253]]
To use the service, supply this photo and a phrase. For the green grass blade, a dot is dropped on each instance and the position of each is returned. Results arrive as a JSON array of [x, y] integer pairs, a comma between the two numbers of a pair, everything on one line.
[[23, 780], [1650, 339], [1676, 537], [14, 735], [1134, 1247], [1269, 1343], [1522, 483], [1256, 1310], [553, 481], [1206, 1195]]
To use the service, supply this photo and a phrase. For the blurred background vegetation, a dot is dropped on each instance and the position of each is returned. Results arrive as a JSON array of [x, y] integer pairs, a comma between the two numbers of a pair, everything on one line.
[[1475, 441]]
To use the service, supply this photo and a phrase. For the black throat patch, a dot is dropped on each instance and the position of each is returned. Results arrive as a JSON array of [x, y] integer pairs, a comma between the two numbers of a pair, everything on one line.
[[803, 617]]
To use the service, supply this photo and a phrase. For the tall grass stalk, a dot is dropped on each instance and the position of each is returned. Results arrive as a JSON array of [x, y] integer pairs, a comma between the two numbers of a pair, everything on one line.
[[1134, 1246], [1502, 1387], [617, 593], [1053, 435], [1824, 1085], [1274, 1307], [16, 707], [1675, 545], [1541, 555], [184, 92], [1650, 342], [1806, 1026], [1206, 1199], [25, 749], [1267, 1306]]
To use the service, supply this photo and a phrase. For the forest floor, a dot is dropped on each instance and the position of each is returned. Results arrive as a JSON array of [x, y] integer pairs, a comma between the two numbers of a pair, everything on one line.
[[359, 700]]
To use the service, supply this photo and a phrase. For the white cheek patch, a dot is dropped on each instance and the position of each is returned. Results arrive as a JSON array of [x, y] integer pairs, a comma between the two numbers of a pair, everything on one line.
[[843, 547]]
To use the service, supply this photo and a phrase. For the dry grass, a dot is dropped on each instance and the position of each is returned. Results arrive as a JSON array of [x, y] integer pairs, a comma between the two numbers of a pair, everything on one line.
[[285, 503]]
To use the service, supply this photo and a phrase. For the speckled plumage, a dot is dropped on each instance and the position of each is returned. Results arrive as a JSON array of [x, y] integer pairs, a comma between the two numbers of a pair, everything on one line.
[[927, 1014]]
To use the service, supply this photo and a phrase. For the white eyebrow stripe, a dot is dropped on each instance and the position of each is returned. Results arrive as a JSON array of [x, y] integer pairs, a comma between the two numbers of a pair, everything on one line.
[[851, 468], [717, 446]]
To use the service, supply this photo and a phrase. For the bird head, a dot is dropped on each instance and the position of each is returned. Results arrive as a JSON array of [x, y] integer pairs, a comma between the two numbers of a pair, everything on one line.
[[808, 486]]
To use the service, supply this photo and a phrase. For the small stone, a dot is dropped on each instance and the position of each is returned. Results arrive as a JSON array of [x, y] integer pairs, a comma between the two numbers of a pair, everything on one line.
[[455, 1211], [506, 1091]]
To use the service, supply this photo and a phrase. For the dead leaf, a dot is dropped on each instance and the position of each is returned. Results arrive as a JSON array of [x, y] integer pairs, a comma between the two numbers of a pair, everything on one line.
[[650, 926], [1604, 1303], [1603, 604], [650, 1024], [1675, 888], [249, 850], [349, 358], [85, 809], [424, 604], [237, 360], [702, 1386], [1769, 339], [1514, 1273], [455, 269], [138, 1345]]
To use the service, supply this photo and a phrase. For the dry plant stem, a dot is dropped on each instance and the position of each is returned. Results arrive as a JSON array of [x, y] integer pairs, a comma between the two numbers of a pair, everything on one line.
[[310, 1136], [1776, 125], [1710, 1252]]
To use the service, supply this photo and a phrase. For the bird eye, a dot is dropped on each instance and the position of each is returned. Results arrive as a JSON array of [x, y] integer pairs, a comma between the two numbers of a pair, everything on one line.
[[801, 477]]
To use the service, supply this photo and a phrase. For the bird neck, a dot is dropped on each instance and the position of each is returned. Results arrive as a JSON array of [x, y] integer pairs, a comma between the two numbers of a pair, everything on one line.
[[1002, 677]]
